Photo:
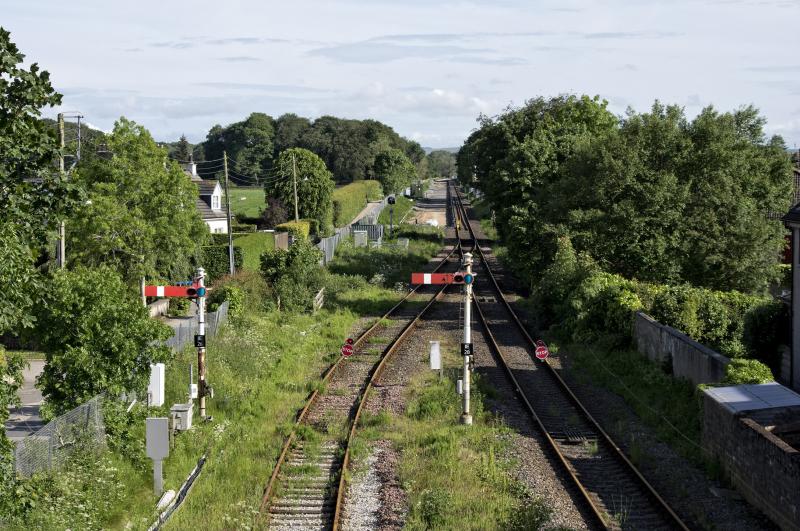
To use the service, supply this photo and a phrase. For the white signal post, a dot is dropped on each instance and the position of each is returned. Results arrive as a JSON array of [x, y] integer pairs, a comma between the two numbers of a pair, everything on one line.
[[201, 351], [466, 416]]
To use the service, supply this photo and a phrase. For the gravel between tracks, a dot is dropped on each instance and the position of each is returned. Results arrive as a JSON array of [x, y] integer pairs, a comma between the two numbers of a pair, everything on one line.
[[530, 465]]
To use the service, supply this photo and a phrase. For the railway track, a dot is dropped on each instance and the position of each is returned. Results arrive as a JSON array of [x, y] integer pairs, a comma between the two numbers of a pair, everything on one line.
[[616, 492], [307, 486]]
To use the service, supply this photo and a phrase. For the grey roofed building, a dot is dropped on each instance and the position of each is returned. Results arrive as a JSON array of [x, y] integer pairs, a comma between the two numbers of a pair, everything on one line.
[[209, 202]]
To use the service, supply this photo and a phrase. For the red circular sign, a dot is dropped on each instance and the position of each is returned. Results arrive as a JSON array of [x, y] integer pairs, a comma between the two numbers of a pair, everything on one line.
[[347, 350], [542, 352], [349, 341]]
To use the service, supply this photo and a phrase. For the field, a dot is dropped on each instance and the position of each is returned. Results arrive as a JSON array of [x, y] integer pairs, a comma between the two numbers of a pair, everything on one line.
[[401, 208], [248, 202], [252, 246], [350, 199]]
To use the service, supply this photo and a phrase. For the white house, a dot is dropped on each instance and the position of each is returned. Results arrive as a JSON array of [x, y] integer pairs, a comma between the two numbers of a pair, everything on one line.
[[209, 202]]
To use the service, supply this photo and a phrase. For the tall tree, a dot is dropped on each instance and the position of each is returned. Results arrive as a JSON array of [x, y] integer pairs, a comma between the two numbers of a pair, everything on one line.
[[441, 163], [314, 185], [33, 198], [141, 217], [183, 150], [394, 170]]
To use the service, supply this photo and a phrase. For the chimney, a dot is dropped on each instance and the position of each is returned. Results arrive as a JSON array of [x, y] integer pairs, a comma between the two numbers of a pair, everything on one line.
[[191, 167]]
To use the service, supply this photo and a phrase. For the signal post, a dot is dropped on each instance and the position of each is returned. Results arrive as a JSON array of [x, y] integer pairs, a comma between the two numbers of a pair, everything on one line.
[[195, 289], [466, 278], [466, 346]]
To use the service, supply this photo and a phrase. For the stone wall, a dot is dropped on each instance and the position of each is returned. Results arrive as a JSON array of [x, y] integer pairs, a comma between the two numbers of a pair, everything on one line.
[[762, 467], [688, 358]]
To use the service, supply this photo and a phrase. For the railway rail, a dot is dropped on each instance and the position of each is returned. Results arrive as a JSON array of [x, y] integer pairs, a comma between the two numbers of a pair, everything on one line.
[[617, 494], [306, 489]]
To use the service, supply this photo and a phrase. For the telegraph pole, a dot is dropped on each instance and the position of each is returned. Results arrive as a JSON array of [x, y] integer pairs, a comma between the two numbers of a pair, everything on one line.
[[294, 178], [232, 266], [466, 416], [201, 350], [62, 251]]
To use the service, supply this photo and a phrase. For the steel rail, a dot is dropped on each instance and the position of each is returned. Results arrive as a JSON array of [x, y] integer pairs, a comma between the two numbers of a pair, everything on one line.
[[373, 376], [616, 450], [328, 375]]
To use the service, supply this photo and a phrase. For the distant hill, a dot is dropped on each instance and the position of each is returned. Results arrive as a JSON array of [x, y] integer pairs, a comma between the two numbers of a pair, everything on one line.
[[449, 149]]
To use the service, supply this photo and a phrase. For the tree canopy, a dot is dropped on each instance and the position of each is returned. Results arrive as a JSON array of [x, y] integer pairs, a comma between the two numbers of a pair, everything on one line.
[[97, 336], [652, 196], [141, 216], [394, 170], [347, 147], [314, 186]]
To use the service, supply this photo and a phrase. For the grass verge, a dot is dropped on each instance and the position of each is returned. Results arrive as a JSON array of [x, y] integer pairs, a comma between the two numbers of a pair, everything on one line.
[[253, 245], [351, 198], [402, 207], [247, 201], [454, 475]]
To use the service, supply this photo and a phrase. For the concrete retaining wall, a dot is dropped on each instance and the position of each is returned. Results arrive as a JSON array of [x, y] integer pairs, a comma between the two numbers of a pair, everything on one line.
[[688, 358], [762, 467], [158, 307]]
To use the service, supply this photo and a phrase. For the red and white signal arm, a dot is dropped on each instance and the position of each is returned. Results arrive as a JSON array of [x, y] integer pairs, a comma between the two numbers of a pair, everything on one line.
[[175, 291]]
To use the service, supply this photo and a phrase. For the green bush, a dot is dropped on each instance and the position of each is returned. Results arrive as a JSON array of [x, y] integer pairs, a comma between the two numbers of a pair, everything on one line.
[[295, 275], [178, 306], [747, 371], [97, 337], [243, 227], [254, 291], [298, 229], [767, 326], [604, 305], [216, 262], [227, 292], [218, 238]]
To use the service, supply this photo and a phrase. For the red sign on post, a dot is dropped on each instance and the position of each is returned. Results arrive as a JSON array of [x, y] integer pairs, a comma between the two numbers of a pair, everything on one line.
[[347, 350], [541, 350]]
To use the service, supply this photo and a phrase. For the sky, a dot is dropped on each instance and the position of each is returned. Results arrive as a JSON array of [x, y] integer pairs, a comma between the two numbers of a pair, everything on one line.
[[427, 68]]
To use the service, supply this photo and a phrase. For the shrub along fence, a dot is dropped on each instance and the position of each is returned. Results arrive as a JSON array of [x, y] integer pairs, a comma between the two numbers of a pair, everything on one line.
[[587, 304]]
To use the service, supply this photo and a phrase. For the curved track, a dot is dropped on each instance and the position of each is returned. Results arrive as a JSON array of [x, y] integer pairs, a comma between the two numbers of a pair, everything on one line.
[[617, 493], [306, 489]]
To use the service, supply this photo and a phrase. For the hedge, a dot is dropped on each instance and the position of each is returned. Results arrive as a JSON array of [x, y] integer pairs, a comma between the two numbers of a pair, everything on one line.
[[298, 229], [350, 199], [214, 259], [243, 227], [587, 304]]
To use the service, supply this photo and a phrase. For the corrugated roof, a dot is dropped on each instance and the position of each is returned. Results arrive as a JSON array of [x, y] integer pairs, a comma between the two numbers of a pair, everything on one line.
[[752, 397]]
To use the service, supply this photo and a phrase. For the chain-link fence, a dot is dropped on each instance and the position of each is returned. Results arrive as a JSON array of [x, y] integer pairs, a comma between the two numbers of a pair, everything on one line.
[[48, 449], [186, 329]]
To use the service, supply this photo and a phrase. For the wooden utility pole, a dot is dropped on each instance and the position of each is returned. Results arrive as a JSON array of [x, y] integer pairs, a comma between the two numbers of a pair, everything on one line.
[[62, 247], [294, 178], [232, 268]]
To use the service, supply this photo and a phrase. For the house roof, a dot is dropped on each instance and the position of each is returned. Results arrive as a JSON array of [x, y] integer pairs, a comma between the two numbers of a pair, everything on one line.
[[207, 187], [206, 213], [793, 216]]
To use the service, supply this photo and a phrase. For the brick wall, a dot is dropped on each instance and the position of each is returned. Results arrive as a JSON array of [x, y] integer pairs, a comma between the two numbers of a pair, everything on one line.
[[688, 358], [763, 468]]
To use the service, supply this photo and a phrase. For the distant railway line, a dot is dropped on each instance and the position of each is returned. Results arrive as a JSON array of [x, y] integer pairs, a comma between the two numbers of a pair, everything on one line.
[[616, 492], [307, 487]]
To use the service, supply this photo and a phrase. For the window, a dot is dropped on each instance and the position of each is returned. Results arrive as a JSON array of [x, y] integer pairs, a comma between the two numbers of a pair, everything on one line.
[[215, 202], [218, 229]]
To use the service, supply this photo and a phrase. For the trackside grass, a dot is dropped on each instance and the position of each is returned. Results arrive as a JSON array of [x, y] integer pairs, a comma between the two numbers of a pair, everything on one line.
[[401, 208], [454, 475]]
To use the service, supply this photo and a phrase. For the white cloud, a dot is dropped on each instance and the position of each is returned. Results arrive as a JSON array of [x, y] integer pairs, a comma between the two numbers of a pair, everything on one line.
[[199, 63]]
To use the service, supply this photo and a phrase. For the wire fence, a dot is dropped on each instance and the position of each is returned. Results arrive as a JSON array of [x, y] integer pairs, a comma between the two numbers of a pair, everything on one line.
[[80, 429], [186, 329]]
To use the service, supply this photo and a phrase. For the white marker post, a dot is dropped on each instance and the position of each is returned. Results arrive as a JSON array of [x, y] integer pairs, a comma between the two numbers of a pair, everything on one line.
[[466, 416], [436, 358], [157, 447]]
